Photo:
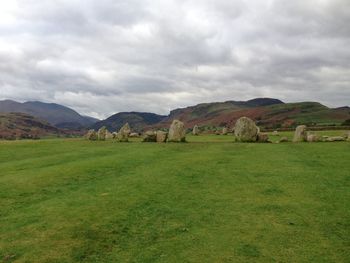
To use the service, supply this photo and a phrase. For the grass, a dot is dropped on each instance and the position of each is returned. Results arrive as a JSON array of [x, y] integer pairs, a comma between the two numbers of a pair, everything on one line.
[[209, 200]]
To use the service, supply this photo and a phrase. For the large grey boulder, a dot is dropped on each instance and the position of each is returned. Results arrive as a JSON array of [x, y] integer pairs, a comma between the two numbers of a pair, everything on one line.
[[161, 136], [150, 136], [177, 132], [101, 133], [246, 130], [224, 131], [195, 130], [123, 134], [91, 135], [300, 134]]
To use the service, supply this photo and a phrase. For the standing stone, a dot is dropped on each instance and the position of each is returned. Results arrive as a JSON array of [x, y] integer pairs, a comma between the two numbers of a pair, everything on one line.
[[177, 132], [195, 130], [123, 133], [101, 134], [150, 136], [109, 135], [246, 130], [262, 137], [224, 131], [161, 136], [91, 135], [300, 134]]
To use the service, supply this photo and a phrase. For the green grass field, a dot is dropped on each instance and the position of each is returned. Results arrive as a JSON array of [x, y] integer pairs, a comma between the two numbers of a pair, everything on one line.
[[209, 200]]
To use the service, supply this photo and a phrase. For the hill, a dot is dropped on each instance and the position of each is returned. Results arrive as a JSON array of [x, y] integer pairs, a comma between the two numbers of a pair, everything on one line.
[[268, 113], [55, 114], [24, 126], [136, 120]]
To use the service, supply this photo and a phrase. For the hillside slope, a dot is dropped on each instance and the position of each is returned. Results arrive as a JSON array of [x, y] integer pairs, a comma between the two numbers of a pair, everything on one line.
[[136, 120], [57, 115], [270, 114], [24, 126]]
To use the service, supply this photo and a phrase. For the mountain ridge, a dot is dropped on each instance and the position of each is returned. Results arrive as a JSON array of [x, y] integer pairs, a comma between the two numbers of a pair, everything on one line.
[[268, 113], [23, 126], [57, 115]]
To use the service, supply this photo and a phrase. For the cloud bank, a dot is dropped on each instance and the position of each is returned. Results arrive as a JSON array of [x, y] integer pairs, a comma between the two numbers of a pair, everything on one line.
[[102, 57]]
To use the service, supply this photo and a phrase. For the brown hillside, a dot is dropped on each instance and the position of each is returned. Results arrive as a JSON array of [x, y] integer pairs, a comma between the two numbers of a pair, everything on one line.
[[24, 126]]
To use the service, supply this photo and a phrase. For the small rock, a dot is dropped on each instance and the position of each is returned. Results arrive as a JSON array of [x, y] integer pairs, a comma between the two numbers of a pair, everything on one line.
[[134, 135], [284, 139], [91, 135], [335, 139], [161, 136], [150, 136], [262, 137], [312, 137]]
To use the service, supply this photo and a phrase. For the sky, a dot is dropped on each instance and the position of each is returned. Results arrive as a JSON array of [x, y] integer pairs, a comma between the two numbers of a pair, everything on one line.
[[101, 57]]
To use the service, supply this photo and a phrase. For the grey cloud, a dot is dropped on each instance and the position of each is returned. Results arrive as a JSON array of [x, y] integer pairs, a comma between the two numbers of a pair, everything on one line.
[[105, 56]]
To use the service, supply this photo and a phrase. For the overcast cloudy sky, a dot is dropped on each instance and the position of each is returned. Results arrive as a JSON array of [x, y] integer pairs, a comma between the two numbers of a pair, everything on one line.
[[105, 56]]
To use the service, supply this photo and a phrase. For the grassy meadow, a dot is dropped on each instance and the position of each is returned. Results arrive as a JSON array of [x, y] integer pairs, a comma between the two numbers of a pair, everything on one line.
[[209, 200]]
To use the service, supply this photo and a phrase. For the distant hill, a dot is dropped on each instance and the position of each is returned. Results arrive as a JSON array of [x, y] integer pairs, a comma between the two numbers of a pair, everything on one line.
[[55, 114], [24, 126], [268, 113], [136, 120]]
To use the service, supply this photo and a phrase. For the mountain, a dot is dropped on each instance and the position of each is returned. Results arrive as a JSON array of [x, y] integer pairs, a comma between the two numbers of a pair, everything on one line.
[[22, 126], [267, 113], [136, 120], [215, 113], [57, 115]]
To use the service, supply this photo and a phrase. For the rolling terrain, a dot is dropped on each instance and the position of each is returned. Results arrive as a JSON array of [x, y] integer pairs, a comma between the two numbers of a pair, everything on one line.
[[267, 113], [137, 121], [24, 126], [55, 114]]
